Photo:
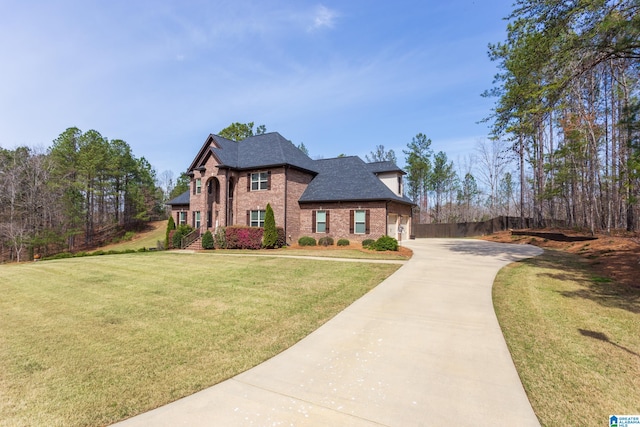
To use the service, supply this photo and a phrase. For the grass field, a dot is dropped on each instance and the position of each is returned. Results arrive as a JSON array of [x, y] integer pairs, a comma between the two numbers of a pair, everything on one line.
[[144, 239], [90, 341], [574, 338]]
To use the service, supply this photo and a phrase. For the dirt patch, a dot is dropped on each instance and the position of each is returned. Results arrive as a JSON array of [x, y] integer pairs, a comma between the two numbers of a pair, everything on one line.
[[616, 257]]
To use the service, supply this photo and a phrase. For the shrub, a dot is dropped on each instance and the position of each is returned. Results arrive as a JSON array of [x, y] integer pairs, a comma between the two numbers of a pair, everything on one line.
[[270, 235], [385, 243], [176, 239], [220, 238], [242, 237], [207, 240], [325, 241], [366, 243], [185, 229], [171, 225], [307, 241], [282, 238], [343, 242], [61, 255], [143, 249]]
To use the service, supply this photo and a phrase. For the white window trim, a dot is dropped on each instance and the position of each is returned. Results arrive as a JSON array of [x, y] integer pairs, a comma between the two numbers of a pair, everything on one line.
[[318, 222], [260, 221], [363, 222], [260, 181]]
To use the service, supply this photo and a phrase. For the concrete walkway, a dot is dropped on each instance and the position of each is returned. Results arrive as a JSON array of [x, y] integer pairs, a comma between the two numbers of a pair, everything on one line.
[[422, 349]]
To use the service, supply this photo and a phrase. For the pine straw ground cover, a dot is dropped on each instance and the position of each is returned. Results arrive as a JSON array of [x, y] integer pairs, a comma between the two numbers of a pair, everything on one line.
[[571, 319], [90, 341]]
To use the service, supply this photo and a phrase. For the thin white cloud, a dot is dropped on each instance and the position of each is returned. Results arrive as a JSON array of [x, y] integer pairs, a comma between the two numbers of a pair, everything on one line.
[[323, 17]]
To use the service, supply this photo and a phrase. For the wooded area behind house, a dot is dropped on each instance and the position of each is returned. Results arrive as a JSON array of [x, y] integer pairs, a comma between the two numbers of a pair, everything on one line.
[[565, 127], [64, 198], [567, 101]]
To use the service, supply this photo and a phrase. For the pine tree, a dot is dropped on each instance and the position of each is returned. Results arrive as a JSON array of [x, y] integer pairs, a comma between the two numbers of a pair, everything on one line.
[[171, 225], [270, 236]]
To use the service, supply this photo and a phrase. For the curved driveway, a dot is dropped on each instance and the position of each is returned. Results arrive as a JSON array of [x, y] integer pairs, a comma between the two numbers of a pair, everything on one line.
[[422, 349]]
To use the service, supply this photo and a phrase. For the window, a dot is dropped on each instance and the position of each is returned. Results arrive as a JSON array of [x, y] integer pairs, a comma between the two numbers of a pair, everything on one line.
[[360, 222], [182, 218], [196, 219], [256, 218], [260, 181], [320, 221], [198, 184]]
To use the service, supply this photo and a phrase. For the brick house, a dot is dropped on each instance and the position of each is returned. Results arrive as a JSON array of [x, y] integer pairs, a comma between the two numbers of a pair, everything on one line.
[[344, 197]]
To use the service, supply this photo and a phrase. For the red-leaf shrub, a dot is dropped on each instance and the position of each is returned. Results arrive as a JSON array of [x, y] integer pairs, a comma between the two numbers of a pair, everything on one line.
[[239, 237]]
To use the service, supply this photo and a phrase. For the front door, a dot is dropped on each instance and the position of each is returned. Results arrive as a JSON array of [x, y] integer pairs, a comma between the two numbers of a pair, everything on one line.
[[392, 224]]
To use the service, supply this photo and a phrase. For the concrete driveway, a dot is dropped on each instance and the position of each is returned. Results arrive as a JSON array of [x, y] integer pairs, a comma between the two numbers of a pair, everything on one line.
[[422, 349]]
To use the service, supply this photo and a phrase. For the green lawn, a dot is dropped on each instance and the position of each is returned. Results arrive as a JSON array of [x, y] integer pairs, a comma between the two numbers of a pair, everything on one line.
[[574, 338], [142, 239], [90, 341]]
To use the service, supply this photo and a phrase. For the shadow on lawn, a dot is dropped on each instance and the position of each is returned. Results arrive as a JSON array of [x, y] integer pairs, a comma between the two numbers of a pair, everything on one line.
[[601, 290], [603, 337]]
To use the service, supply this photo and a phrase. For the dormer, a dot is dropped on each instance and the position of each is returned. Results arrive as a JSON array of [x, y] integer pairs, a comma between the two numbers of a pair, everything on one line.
[[390, 175]]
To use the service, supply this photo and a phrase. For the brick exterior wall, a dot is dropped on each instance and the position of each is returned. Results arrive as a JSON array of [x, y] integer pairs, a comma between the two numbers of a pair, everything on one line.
[[257, 200], [296, 185], [340, 220], [286, 187]]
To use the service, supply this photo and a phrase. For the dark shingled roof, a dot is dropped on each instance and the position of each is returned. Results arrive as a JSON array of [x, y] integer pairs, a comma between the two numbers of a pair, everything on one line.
[[261, 151], [386, 166], [182, 199], [348, 179], [339, 179]]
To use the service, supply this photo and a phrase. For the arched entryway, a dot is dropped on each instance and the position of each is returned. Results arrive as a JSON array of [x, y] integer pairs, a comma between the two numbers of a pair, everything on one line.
[[213, 201]]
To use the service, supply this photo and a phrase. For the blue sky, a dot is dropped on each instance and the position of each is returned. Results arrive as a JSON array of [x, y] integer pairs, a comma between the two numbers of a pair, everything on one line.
[[339, 76]]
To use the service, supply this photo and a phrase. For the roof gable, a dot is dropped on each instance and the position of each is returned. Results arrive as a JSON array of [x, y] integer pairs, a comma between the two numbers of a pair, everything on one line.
[[259, 151]]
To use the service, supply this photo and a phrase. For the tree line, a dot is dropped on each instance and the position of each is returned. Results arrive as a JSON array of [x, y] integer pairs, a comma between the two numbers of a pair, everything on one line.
[[64, 198], [567, 104]]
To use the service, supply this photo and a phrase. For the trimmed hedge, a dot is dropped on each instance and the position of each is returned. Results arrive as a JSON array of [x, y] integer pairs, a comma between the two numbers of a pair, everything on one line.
[[385, 243], [366, 243], [207, 240], [176, 239], [325, 241], [306, 241], [282, 238], [220, 238], [343, 242], [242, 237]]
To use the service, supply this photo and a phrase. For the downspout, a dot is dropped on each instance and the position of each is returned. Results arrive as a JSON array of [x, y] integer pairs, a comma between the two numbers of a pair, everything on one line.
[[226, 197], [386, 218], [286, 185]]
